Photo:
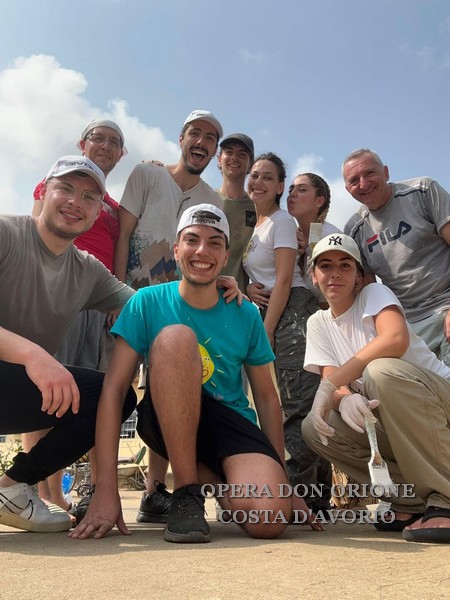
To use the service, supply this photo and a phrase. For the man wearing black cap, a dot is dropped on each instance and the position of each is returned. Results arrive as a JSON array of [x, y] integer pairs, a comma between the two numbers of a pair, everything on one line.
[[234, 160]]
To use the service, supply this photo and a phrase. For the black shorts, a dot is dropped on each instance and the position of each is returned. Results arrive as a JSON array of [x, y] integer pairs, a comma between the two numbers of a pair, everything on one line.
[[222, 432]]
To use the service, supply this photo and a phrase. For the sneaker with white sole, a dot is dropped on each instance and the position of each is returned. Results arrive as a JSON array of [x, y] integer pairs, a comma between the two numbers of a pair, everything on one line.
[[21, 507]]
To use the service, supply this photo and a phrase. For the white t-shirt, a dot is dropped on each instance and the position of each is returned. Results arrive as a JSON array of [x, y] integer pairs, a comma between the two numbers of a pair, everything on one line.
[[279, 230], [333, 341]]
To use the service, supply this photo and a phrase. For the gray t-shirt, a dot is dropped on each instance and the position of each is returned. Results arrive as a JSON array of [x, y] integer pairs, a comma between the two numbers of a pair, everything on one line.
[[40, 293], [153, 196], [401, 244], [241, 217]]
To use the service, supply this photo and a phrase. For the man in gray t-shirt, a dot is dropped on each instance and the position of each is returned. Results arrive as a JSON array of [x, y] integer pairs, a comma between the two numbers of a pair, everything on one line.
[[403, 233], [44, 282]]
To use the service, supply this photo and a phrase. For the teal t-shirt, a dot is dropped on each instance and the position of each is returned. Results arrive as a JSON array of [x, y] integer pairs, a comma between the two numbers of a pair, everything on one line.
[[228, 336]]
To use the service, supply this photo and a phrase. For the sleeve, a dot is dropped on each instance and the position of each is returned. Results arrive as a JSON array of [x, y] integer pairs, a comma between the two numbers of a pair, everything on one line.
[[136, 190], [37, 190], [285, 233], [319, 347], [437, 207], [377, 297], [108, 293], [132, 324]]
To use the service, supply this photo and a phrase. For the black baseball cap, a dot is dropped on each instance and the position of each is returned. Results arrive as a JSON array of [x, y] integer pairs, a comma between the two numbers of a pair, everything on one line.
[[241, 138]]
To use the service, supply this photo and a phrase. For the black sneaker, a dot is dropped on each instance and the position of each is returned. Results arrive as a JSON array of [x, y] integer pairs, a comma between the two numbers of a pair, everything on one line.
[[155, 506], [79, 511], [186, 522]]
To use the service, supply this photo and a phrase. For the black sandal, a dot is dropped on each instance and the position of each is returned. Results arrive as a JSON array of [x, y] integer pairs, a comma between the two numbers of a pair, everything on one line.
[[432, 535]]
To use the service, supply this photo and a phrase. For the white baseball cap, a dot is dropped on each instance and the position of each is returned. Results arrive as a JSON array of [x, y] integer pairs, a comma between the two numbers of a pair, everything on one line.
[[205, 214], [205, 115], [337, 241], [102, 123], [70, 164]]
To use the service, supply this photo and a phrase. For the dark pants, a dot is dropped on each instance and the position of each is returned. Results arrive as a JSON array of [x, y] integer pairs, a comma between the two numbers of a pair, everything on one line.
[[297, 390], [70, 436]]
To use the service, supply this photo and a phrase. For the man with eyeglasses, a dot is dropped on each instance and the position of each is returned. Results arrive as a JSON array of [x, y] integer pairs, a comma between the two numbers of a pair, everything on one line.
[[44, 282], [88, 343]]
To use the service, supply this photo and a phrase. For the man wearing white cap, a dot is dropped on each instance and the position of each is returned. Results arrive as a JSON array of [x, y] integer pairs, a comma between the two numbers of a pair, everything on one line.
[[45, 282], [194, 411], [87, 342], [153, 200]]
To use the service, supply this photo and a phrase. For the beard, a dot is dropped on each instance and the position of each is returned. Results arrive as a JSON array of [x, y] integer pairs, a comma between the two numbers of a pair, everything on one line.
[[58, 231]]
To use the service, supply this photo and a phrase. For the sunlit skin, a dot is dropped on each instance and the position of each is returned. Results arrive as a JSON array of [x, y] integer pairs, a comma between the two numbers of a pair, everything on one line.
[[201, 254], [234, 161], [263, 186], [105, 156], [338, 278], [63, 219], [303, 201], [198, 145], [367, 181]]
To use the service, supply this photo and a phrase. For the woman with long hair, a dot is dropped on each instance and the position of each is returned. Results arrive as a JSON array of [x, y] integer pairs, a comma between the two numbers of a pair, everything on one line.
[[271, 261]]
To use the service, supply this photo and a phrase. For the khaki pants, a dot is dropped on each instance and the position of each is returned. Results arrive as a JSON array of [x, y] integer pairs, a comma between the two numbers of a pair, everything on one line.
[[413, 433]]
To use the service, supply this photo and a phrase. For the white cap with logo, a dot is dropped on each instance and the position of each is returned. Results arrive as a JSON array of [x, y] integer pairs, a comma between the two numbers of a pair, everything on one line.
[[205, 115], [337, 241], [205, 214], [70, 164]]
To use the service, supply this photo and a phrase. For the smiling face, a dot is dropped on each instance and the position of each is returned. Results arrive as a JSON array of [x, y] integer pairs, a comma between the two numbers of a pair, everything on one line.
[[198, 144], [264, 184], [201, 254], [105, 153], [339, 279], [367, 181], [303, 200], [234, 161], [66, 217]]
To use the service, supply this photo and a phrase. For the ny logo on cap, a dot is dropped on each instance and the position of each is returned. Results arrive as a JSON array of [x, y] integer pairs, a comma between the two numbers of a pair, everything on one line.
[[335, 240]]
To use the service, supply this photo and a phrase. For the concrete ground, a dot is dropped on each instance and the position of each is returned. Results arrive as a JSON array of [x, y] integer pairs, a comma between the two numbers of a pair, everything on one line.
[[344, 561]]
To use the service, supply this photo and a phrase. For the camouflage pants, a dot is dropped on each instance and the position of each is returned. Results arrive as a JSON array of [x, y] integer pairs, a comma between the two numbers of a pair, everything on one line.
[[297, 390]]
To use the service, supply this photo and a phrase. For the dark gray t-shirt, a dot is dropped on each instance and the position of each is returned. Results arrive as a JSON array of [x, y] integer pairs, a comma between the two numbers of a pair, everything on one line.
[[40, 293]]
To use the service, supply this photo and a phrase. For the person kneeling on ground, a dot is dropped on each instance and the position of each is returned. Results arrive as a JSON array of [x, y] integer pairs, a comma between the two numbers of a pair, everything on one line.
[[370, 360], [194, 411]]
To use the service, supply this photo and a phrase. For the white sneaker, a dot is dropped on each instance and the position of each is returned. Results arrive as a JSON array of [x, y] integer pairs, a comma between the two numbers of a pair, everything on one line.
[[21, 507]]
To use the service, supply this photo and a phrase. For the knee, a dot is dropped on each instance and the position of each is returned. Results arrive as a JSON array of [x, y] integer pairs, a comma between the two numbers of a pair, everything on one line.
[[378, 376], [174, 341], [267, 522]]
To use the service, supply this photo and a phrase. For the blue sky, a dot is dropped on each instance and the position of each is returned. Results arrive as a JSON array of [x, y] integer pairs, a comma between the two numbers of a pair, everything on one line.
[[310, 81]]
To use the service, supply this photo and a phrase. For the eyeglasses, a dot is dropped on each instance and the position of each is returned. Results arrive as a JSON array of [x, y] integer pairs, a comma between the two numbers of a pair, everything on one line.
[[98, 138], [69, 191]]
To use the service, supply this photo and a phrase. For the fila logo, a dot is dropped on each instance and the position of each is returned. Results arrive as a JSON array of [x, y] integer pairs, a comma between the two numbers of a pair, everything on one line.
[[384, 237]]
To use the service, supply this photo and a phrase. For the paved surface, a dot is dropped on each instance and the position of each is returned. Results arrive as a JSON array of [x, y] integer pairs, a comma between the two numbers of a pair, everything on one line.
[[346, 561]]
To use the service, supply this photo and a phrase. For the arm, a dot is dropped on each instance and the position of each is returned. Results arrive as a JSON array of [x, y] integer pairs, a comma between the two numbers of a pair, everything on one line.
[[56, 384], [284, 268], [127, 224], [445, 234], [37, 208], [392, 341], [105, 509], [267, 405]]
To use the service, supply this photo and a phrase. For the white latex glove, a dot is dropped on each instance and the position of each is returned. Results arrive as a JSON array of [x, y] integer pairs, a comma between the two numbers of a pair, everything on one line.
[[322, 405], [355, 408]]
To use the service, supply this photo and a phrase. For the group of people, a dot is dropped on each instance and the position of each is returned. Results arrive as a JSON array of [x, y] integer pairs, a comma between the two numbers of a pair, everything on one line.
[[171, 258]]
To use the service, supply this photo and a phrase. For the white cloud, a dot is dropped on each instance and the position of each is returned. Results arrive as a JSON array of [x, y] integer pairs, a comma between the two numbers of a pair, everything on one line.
[[251, 56], [43, 110]]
